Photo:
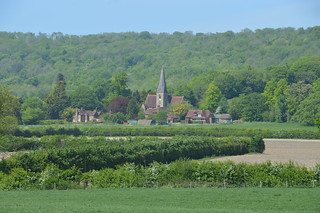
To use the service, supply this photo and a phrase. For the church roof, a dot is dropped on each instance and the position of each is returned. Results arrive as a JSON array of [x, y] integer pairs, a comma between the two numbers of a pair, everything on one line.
[[151, 101], [162, 88]]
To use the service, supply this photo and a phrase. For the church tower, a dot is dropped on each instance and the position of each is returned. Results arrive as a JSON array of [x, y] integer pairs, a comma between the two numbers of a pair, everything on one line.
[[162, 94]]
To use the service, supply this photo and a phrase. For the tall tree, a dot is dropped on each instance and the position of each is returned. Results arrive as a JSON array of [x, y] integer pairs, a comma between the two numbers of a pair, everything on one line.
[[181, 110], [213, 96], [118, 88], [248, 107], [133, 109], [161, 117], [295, 94], [308, 110], [59, 100], [274, 94], [118, 104], [119, 85], [306, 69], [100, 88], [187, 92], [33, 110], [9, 109], [84, 97]]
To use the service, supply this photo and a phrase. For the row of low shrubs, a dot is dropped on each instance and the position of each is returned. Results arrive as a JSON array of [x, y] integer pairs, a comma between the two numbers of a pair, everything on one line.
[[10, 143], [180, 173], [167, 131], [97, 153]]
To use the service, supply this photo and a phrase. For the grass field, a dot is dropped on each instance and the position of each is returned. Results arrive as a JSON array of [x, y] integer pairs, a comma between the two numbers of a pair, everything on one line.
[[255, 125], [269, 125], [164, 200]]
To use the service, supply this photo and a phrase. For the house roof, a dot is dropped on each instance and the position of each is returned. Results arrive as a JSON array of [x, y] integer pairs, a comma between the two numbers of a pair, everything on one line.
[[223, 116], [146, 122], [151, 101], [153, 110], [176, 99], [171, 117], [193, 114], [88, 112], [162, 88]]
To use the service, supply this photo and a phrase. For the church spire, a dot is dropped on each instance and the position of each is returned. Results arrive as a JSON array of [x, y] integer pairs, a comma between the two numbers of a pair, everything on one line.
[[162, 88]]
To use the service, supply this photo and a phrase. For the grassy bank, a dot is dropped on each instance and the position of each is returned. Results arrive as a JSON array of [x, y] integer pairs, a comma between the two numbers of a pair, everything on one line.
[[163, 200]]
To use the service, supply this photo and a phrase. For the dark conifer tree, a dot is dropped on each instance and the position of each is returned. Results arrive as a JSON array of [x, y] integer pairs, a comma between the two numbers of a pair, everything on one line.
[[59, 100]]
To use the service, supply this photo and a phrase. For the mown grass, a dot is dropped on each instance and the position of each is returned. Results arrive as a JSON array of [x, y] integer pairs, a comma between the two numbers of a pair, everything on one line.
[[164, 200], [245, 125], [268, 125]]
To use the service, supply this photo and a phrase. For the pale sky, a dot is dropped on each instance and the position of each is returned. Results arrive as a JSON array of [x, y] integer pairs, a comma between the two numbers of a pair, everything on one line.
[[82, 17]]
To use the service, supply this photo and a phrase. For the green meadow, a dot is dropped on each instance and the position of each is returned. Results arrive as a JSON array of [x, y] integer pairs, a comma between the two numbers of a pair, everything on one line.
[[163, 200], [244, 125]]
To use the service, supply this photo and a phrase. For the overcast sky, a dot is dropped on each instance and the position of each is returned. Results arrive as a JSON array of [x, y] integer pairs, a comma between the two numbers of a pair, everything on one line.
[[82, 17]]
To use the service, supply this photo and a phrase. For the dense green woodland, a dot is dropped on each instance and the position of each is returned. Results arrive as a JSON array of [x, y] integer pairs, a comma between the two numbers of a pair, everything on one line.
[[265, 75], [33, 61]]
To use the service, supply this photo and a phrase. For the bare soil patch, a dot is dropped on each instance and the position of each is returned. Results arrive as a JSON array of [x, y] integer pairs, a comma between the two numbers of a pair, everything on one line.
[[303, 152]]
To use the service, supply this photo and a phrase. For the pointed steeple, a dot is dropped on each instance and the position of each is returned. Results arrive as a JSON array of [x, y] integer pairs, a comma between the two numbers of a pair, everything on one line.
[[162, 88]]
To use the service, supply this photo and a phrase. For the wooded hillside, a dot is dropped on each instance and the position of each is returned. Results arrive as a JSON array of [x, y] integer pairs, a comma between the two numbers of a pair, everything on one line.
[[32, 62]]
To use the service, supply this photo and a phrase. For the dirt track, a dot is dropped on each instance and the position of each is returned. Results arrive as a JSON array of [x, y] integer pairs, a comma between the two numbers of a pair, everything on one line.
[[303, 152]]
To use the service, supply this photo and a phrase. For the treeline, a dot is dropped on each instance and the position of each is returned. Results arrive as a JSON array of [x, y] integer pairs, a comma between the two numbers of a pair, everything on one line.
[[98, 153], [180, 173], [211, 131]]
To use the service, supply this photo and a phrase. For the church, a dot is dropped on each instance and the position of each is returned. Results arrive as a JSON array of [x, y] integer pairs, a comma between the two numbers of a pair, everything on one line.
[[160, 101]]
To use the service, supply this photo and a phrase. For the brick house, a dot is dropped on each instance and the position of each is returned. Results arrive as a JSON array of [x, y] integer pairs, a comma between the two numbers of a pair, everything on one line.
[[86, 115], [205, 116]]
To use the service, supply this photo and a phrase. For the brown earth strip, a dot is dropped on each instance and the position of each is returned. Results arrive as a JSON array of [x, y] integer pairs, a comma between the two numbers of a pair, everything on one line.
[[303, 152]]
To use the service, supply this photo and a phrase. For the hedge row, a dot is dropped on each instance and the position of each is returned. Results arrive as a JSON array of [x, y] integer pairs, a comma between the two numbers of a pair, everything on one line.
[[88, 155], [168, 131], [177, 174]]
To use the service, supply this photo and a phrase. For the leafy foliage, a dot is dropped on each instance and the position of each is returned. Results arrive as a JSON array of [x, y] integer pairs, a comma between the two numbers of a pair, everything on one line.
[[119, 104], [161, 117], [89, 154], [59, 100], [9, 110], [32, 61], [181, 110], [84, 97], [213, 96], [309, 109]]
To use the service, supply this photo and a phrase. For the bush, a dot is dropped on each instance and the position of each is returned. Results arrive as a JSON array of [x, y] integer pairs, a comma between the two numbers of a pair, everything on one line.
[[213, 131], [96, 153]]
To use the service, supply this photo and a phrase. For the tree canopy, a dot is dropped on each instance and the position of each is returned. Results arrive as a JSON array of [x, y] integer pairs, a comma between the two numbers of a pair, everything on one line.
[[32, 61]]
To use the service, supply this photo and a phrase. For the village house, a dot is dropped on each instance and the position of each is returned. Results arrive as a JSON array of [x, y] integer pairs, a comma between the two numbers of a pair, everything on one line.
[[86, 115], [160, 101], [205, 116], [222, 118]]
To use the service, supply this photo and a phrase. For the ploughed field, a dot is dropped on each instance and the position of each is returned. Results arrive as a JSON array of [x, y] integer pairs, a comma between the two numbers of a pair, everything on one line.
[[303, 152]]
